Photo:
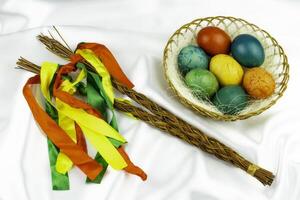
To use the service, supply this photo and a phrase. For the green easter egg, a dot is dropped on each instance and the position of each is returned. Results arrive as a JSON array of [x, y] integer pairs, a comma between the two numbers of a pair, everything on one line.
[[231, 99], [202, 82]]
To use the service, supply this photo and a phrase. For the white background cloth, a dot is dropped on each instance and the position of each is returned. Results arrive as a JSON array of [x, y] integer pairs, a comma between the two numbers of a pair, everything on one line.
[[136, 31]]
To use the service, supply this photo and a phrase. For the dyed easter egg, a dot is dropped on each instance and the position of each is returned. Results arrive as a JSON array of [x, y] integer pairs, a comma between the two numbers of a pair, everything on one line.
[[191, 57], [227, 70], [213, 40], [202, 82], [258, 83], [247, 50], [230, 99]]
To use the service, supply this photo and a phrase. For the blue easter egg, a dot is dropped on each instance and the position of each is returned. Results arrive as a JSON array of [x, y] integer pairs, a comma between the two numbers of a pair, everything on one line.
[[248, 51], [192, 57]]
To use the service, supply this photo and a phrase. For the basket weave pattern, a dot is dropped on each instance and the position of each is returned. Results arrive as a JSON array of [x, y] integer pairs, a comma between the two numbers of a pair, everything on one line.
[[276, 63]]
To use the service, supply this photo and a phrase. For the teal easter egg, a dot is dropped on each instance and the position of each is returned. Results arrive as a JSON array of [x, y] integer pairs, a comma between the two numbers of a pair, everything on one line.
[[248, 51], [231, 99], [202, 82], [191, 57]]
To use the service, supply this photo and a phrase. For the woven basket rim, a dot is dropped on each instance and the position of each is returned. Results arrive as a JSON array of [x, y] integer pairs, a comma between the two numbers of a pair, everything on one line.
[[212, 114]]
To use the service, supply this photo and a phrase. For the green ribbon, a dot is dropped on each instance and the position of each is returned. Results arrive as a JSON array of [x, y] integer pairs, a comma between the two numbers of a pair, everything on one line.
[[98, 99], [59, 181], [93, 97]]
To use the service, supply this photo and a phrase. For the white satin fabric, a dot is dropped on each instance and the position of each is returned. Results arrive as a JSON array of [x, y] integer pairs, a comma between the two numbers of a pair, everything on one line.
[[136, 32]]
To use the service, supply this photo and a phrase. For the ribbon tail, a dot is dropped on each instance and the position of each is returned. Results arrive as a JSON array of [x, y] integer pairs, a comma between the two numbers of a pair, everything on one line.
[[59, 181], [131, 168], [104, 164]]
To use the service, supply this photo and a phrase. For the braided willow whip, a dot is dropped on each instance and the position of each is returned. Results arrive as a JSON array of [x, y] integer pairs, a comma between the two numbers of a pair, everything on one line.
[[166, 121]]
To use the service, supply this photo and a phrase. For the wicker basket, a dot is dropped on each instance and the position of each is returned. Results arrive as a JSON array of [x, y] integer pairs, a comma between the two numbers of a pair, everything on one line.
[[275, 62]]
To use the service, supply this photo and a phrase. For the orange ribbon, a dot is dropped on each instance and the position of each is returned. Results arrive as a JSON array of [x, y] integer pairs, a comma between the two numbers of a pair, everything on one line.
[[109, 61]]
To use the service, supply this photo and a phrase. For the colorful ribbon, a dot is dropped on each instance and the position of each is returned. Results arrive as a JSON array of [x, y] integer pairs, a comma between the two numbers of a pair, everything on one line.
[[77, 118], [63, 163], [48, 70], [95, 97], [94, 84], [108, 60], [90, 57], [75, 103], [57, 135], [95, 129]]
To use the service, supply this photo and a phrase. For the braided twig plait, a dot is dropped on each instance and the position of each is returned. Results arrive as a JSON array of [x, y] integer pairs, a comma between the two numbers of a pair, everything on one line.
[[168, 122]]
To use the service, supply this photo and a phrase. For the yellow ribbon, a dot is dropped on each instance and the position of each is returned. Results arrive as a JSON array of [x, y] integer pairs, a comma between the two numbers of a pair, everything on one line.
[[46, 75], [100, 68], [69, 87], [90, 57], [95, 129], [63, 162], [64, 121]]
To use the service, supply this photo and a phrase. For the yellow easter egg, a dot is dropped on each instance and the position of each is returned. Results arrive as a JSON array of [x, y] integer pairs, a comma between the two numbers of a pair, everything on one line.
[[227, 70]]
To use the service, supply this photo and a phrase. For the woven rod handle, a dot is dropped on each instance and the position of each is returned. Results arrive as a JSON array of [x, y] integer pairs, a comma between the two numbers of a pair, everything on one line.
[[187, 132]]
